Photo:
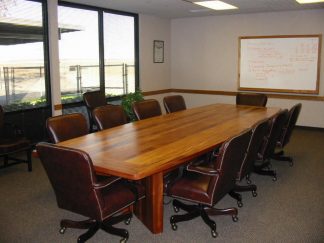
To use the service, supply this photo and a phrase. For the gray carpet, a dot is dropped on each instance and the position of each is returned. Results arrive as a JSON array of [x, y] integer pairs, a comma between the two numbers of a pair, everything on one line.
[[289, 210]]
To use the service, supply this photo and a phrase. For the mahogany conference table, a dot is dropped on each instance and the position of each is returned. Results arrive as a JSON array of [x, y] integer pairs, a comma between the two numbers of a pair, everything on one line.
[[146, 149]]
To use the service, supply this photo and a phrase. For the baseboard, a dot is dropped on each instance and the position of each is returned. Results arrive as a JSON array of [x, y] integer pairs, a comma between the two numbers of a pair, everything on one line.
[[320, 129]]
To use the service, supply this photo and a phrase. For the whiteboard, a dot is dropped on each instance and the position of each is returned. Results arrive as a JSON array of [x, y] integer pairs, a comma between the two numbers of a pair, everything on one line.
[[280, 63]]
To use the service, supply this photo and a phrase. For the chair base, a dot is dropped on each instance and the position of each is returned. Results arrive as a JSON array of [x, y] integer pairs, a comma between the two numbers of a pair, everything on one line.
[[93, 226], [7, 158], [195, 211], [238, 188], [259, 169], [281, 157], [247, 178]]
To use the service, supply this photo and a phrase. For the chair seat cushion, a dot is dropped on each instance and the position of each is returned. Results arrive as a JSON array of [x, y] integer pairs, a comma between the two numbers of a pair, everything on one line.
[[9, 145], [192, 187], [119, 196]]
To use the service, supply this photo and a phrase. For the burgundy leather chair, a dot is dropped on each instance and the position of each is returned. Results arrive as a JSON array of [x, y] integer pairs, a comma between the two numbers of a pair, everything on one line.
[[76, 188], [68, 126], [252, 99], [259, 130], [208, 185], [146, 109], [92, 100], [11, 143], [109, 116], [174, 103], [269, 144], [286, 134]]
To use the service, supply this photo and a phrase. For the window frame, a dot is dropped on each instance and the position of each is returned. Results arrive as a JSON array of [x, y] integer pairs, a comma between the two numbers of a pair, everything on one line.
[[101, 12]]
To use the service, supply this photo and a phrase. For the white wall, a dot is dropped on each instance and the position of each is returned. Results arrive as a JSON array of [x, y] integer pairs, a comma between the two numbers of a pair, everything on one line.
[[204, 54], [154, 76]]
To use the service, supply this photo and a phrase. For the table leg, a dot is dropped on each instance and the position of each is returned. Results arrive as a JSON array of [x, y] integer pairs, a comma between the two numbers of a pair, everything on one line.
[[150, 210]]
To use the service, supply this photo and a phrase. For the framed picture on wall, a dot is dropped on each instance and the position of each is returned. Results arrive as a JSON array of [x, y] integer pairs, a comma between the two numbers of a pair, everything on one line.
[[158, 51]]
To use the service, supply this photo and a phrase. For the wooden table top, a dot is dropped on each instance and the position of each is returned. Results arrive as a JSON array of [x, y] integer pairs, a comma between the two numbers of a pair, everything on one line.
[[140, 149]]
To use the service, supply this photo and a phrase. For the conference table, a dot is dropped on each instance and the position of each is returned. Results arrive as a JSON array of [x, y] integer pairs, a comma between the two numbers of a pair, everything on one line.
[[144, 150]]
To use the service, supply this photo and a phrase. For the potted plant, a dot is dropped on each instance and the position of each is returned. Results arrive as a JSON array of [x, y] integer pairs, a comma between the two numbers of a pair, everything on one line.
[[127, 102]]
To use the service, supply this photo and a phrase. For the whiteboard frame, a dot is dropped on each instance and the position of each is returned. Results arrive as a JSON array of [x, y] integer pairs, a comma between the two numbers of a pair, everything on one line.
[[316, 91]]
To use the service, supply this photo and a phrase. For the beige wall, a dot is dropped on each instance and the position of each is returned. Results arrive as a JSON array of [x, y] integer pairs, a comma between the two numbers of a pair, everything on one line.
[[154, 76], [204, 54]]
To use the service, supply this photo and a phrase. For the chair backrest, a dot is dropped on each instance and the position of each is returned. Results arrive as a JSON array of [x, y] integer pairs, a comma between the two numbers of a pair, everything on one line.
[[146, 109], [72, 177], [174, 103], [64, 127], [92, 100], [109, 116], [290, 124], [227, 163], [252, 99], [259, 131], [273, 134]]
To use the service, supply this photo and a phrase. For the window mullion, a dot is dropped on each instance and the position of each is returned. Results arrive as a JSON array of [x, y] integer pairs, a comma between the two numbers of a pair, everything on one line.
[[101, 51]]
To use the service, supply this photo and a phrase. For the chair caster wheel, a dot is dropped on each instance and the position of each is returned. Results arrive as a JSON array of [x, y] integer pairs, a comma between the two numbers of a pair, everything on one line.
[[127, 221], [62, 230], [124, 240], [214, 233], [239, 204], [176, 209], [234, 218], [174, 227], [254, 193], [274, 178]]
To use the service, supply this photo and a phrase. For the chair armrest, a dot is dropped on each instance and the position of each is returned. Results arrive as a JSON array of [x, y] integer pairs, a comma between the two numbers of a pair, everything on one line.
[[196, 162], [202, 170], [107, 182]]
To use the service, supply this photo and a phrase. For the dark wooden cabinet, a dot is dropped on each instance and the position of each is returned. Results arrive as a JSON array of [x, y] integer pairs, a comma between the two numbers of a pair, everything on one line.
[[31, 122]]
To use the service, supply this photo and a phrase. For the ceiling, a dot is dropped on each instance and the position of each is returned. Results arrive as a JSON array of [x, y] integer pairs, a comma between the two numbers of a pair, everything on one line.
[[183, 8]]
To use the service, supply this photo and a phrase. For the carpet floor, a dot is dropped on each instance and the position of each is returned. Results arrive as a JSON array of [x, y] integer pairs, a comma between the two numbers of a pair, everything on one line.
[[288, 210]]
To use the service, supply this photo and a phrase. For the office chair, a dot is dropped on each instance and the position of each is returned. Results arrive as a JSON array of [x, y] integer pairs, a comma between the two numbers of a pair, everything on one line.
[[269, 144], [109, 116], [252, 99], [208, 185], [174, 103], [68, 126], [259, 130], [76, 188], [146, 109], [12, 143], [93, 99], [286, 134]]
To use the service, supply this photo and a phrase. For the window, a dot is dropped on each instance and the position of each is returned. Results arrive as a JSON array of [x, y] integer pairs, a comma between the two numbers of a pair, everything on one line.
[[23, 75], [79, 52], [97, 51], [119, 54]]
